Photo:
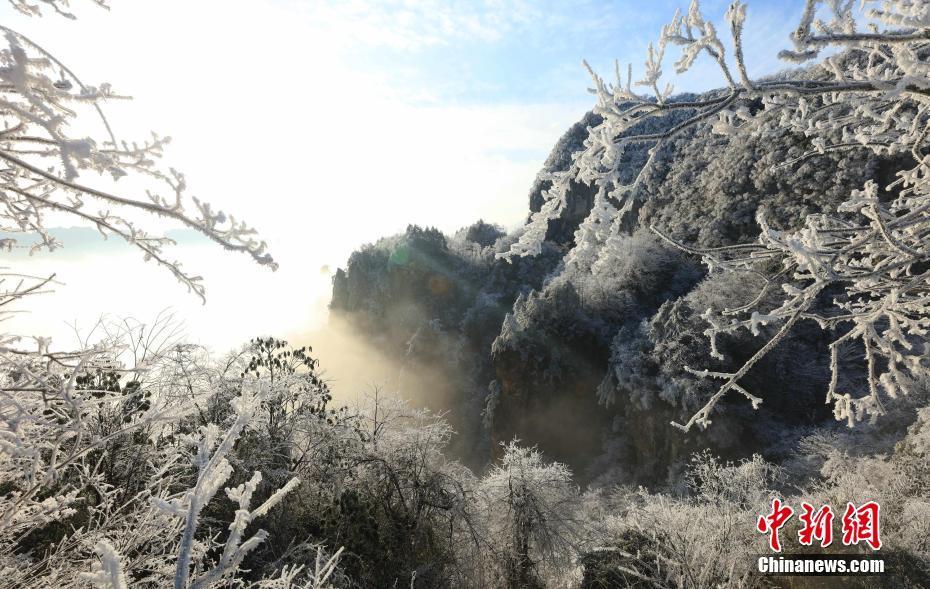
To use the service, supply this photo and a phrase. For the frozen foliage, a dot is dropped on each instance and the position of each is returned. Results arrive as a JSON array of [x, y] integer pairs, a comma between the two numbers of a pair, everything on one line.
[[702, 538], [96, 477], [481, 234], [872, 246], [109, 573], [49, 170], [58, 6], [213, 469], [53, 421], [90, 451], [858, 270], [139, 460], [694, 541], [530, 515]]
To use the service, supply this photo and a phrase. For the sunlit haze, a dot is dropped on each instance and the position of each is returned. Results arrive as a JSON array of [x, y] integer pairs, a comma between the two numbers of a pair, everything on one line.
[[327, 126]]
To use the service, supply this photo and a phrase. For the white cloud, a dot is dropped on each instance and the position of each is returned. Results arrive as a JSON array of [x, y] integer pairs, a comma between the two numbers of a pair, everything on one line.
[[270, 123], [409, 24]]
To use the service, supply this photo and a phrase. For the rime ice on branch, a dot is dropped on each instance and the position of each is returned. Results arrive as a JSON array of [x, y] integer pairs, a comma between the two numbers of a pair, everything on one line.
[[44, 168], [861, 272]]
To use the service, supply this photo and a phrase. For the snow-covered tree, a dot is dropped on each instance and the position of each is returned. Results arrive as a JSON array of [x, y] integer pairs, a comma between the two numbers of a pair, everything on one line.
[[860, 271], [65, 414], [529, 508]]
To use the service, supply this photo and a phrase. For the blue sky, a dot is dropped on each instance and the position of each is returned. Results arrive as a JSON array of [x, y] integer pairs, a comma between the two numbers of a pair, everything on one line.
[[532, 51], [327, 125]]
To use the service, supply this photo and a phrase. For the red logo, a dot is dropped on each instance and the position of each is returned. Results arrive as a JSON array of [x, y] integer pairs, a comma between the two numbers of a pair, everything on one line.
[[817, 525], [773, 522], [860, 524]]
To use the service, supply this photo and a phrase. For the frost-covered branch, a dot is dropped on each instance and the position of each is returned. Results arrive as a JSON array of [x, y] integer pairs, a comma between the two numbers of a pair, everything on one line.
[[109, 571], [874, 94], [213, 469], [58, 6], [44, 168]]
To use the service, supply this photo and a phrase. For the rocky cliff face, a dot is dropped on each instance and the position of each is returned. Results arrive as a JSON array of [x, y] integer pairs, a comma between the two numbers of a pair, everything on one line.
[[588, 362]]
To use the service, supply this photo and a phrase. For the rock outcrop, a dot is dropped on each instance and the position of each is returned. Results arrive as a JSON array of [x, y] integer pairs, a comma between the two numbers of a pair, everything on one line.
[[588, 362]]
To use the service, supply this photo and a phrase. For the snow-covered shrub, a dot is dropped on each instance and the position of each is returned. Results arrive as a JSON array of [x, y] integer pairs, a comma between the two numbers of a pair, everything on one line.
[[651, 357], [704, 539], [642, 265], [104, 472], [400, 507]]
